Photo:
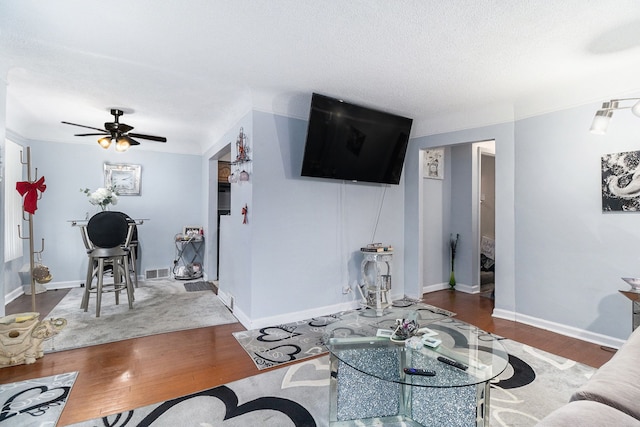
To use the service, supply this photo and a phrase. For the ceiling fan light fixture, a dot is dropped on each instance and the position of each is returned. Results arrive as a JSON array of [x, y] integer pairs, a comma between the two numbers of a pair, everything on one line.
[[636, 109], [122, 144], [116, 132], [601, 122], [105, 142], [603, 115]]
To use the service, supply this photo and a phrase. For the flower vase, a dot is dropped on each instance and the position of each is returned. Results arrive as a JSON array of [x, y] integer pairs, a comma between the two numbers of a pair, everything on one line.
[[452, 280]]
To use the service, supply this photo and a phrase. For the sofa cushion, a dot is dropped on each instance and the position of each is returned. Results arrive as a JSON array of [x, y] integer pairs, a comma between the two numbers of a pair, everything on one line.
[[617, 382], [586, 413]]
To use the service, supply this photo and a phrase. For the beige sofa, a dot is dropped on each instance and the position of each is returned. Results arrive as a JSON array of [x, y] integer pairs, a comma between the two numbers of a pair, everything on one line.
[[611, 397]]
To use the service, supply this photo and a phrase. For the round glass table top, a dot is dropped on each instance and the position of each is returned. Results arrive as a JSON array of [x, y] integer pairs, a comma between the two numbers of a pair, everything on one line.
[[367, 343]]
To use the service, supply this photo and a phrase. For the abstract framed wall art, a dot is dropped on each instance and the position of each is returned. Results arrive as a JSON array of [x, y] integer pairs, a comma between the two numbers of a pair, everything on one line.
[[621, 182], [433, 165]]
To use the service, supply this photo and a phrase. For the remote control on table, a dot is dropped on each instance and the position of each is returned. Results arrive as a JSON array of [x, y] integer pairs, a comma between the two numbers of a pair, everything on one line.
[[416, 371], [453, 363]]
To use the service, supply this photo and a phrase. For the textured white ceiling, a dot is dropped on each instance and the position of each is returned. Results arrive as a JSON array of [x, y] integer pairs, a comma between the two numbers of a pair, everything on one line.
[[188, 70]]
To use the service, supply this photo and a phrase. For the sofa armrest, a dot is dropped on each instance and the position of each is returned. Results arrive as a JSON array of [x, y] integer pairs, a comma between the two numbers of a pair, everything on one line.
[[584, 413], [617, 382]]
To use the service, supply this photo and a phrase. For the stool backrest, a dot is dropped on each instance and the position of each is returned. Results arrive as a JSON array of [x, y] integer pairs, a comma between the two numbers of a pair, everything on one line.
[[108, 229]]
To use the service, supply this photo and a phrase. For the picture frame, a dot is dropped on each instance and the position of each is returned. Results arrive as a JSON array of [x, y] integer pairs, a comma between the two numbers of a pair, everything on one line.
[[620, 180], [192, 232], [433, 163], [125, 178]]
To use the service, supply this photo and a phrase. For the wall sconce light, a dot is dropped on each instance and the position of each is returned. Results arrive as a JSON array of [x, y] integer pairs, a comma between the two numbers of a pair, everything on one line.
[[603, 116]]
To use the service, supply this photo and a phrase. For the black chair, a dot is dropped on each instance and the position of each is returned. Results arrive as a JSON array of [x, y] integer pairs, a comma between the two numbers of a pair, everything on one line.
[[133, 248], [109, 236]]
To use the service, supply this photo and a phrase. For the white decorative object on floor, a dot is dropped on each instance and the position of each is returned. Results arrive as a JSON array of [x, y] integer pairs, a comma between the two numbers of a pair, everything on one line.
[[21, 337], [376, 281]]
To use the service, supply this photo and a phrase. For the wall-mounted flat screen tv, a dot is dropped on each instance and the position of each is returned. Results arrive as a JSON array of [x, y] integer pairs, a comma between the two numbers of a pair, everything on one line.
[[351, 142]]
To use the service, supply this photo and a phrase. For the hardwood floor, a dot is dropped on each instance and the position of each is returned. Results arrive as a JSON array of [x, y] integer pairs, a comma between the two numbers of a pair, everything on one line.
[[124, 375]]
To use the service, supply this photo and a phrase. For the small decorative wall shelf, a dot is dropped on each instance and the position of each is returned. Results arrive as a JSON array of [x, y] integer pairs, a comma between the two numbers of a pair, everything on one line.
[[239, 167]]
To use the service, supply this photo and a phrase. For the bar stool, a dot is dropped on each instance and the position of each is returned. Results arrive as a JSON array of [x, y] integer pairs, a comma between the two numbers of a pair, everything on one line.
[[109, 236], [133, 248]]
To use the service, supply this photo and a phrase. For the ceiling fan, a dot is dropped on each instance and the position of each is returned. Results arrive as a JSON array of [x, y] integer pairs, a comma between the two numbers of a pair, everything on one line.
[[117, 132]]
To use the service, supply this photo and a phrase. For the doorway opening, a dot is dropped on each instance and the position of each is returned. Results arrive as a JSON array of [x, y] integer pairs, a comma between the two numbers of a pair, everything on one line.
[[487, 227], [461, 202], [224, 200], [219, 203]]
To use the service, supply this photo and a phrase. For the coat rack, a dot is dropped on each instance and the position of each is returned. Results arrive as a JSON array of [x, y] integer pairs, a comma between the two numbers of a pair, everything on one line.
[[28, 216]]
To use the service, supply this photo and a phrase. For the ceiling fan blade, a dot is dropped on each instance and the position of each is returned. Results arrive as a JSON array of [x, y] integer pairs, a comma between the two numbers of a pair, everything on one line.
[[150, 137], [124, 128], [91, 134], [117, 127], [83, 126]]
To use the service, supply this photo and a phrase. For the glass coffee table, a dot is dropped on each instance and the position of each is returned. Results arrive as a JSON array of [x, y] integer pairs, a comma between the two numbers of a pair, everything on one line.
[[369, 384]]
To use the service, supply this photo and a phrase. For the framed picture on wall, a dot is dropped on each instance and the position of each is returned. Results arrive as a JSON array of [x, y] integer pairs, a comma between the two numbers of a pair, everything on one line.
[[433, 163], [621, 182], [192, 232], [124, 178]]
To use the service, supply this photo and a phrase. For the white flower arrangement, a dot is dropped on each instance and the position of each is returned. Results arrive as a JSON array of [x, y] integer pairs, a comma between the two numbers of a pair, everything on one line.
[[102, 196]]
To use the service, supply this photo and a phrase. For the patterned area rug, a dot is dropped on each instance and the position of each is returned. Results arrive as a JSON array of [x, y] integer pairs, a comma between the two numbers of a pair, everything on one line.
[[37, 402], [534, 384], [290, 342], [160, 306]]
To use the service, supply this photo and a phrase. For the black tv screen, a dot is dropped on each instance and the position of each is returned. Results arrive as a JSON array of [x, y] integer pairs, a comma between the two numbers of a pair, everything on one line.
[[351, 142]]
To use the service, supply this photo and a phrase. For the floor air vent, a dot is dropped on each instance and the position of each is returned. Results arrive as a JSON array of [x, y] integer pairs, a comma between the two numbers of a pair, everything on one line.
[[159, 273]]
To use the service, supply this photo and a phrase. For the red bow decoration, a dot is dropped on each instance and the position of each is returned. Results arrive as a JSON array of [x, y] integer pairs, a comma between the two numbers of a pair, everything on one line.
[[31, 190]]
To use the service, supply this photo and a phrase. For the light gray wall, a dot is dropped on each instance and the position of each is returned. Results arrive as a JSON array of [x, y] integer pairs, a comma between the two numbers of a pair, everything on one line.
[[3, 116], [306, 233], [570, 255], [487, 206], [560, 258], [238, 251], [461, 213], [435, 224], [210, 182]]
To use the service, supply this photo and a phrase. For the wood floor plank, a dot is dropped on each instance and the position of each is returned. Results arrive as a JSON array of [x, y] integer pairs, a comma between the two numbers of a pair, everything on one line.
[[128, 374]]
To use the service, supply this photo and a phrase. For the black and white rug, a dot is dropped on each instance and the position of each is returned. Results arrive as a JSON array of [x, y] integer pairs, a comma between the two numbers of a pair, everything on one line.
[[297, 395], [280, 344], [37, 402]]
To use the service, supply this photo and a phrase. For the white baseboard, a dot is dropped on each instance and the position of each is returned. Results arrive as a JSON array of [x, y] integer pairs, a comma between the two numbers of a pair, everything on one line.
[[49, 286], [242, 318], [13, 295], [468, 289], [226, 298], [434, 288], [64, 285], [293, 316], [559, 328]]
